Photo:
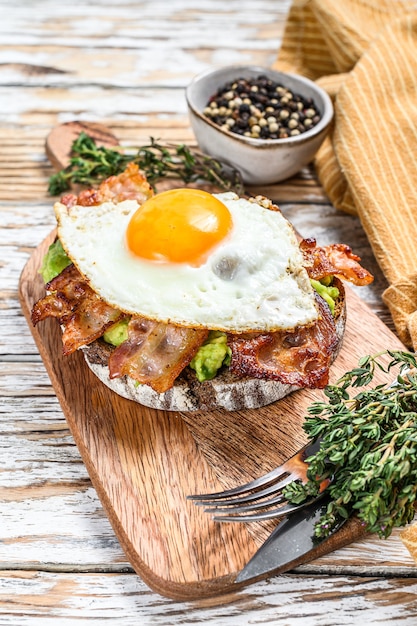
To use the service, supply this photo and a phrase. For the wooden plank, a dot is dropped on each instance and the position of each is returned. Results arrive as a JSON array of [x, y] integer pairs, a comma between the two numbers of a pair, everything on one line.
[[30, 173], [178, 24], [141, 66], [28, 597]]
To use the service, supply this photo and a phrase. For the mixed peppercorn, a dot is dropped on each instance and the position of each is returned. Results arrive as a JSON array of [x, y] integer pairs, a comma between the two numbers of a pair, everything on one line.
[[262, 109]]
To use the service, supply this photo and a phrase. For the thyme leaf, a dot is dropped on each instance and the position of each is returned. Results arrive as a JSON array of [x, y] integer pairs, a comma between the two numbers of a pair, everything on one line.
[[91, 164], [368, 445]]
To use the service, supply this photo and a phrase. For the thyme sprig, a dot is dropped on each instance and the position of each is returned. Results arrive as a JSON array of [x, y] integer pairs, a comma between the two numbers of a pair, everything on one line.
[[368, 445], [91, 164]]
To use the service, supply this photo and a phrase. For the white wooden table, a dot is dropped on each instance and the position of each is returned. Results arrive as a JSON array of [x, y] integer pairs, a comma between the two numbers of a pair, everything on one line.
[[126, 66]]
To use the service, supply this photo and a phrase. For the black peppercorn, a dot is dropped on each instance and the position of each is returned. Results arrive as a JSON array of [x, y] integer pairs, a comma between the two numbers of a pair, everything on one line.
[[261, 108]]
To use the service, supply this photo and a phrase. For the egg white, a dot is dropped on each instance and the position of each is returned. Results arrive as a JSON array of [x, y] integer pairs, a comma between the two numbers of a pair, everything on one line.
[[254, 280]]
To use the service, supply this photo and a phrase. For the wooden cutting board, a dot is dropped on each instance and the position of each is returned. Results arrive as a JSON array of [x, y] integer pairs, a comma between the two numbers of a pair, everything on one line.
[[143, 462]]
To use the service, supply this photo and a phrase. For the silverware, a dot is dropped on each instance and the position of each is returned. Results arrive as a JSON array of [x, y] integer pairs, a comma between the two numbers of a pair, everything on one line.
[[289, 543], [262, 498], [253, 500]]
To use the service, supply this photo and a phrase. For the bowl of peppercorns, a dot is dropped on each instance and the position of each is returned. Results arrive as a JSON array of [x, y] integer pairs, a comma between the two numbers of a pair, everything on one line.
[[266, 124]]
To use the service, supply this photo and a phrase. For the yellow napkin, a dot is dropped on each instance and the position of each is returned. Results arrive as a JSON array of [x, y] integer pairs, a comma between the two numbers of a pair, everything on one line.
[[364, 53]]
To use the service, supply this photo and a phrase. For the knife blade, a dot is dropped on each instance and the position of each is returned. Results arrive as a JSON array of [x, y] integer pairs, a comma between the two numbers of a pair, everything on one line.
[[288, 543]]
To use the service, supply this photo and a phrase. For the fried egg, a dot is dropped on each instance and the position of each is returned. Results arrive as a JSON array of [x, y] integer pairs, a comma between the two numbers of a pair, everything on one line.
[[193, 259]]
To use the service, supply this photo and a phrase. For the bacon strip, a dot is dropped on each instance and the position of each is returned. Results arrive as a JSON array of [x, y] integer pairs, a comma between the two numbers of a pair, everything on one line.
[[65, 289], [155, 353], [336, 259], [88, 322], [301, 357], [129, 185], [82, 313]]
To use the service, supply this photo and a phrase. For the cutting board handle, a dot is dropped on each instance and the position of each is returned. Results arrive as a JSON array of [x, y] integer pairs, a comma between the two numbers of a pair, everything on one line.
[[59, 141]]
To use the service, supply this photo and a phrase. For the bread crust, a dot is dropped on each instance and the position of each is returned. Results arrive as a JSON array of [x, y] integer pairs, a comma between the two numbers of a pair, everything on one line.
[[187, 394]]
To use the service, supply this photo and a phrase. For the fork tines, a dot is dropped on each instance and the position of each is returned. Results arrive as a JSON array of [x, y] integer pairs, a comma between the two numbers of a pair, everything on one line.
[[250, 502], [261, 498]]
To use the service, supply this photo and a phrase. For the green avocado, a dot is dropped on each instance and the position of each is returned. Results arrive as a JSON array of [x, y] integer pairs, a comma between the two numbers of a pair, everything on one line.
[[325, 289], [54, 261], [211, 356], [117, 333]]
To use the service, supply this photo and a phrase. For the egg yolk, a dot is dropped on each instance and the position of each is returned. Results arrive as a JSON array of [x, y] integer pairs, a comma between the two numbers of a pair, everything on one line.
[[178, 226]]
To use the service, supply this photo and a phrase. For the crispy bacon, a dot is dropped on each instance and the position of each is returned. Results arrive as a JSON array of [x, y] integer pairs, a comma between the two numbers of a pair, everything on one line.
[[88, 322], [155, 353], [336, 259], [83, 315], [129, 185], [64, 291], [301, 357]]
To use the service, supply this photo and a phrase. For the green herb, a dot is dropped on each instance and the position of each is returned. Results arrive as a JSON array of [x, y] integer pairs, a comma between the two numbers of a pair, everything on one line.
[[368, 445], [91, 164]]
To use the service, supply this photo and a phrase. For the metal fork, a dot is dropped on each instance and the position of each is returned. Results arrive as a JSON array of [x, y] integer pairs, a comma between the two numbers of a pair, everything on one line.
[[262, 498]]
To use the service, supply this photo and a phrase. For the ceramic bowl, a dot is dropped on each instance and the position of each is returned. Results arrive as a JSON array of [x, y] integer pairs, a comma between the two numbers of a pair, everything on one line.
[[260, 161]]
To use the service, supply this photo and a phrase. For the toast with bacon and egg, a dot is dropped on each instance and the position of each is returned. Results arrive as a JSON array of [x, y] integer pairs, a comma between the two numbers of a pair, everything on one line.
[[275, 344]]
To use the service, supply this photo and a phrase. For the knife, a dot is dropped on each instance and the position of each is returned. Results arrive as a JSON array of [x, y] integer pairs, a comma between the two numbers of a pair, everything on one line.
[[291, 541]]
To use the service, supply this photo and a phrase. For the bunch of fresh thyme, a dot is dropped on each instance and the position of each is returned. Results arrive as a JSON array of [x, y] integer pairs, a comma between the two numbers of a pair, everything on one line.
[[90, 164], [368, 445]]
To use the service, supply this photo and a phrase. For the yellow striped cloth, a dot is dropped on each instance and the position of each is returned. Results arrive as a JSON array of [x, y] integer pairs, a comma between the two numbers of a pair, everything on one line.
[[364, 53]]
